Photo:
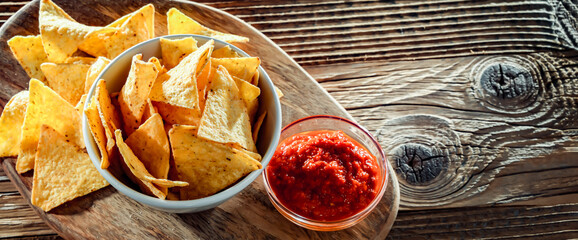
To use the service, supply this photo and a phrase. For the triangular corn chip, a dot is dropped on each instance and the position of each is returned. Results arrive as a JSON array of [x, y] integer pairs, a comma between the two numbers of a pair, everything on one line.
[[178, 115], [62, 171], [178, 86], [149, 111], [29, 52], [243, 68], [93, 72], [158, 65], [225, 52], [203, 82], [179, 23], [138, 169], [108, 117], [11, 124], [97, 130], [67, 79], [225, 117], [208, 166], [138, 28], [46, 107], [249, 94], [174, 50], [134, 94], [150, 144], [80, 60], [61, 35], [257, 125]]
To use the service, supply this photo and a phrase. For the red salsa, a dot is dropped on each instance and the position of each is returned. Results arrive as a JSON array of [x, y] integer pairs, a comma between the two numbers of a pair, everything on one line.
[[323, 175]]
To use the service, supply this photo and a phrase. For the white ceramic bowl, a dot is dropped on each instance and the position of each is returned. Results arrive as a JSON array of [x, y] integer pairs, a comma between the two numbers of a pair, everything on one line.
[[115, 75]]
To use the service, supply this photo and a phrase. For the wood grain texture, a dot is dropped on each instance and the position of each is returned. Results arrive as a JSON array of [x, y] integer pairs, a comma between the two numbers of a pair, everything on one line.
[[248, 215]]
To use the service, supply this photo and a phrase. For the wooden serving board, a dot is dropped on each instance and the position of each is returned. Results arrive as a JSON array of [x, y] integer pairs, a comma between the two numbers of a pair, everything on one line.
[[107, 214]]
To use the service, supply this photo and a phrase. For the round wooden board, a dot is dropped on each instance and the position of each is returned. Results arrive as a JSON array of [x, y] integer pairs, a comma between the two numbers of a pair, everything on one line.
[[107, 214]]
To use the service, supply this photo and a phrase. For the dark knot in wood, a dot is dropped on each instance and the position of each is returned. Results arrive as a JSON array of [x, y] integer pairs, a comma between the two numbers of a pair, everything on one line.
[[507, 81], [419, 164]]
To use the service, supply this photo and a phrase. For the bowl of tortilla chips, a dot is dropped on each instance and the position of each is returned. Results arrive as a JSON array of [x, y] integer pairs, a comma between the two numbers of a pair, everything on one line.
[[182, 123]]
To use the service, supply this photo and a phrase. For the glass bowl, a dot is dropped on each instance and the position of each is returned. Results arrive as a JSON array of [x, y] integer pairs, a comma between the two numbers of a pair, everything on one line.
[[356, 132]]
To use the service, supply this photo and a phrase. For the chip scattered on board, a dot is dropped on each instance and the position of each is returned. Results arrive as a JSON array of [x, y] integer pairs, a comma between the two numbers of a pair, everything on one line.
[[243, 68], [11, 124], [46, 107], [61, 35], [150, 144], [178, 86], [93, 72], [179, 23], [67, 79], [174, 50], [208, 166], [62, 171], [138, 170], [135, 92], [29, 52], [225, 117], [108, 116]]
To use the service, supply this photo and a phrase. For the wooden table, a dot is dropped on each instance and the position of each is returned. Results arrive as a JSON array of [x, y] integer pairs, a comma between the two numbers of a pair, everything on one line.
[[476, 104]]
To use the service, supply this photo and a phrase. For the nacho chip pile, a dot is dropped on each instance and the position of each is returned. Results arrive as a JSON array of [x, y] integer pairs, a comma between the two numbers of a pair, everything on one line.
[[183, 126], [186, 132]]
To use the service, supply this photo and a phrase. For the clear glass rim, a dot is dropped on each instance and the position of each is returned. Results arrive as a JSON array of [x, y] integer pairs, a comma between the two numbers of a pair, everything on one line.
[[342, 223]]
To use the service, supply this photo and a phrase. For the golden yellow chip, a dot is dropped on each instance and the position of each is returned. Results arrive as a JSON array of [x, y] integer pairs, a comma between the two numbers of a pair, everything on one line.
[[67, 79], [137, 28], [62, 171], [61, 35], [179, 23], [80, 60], [203, 79], [178, 115], [149, 111], [243, 68], [134, 94], [29, 52], [279, 93], [174, 50], [208, 166], [11, 124], [46, 107], [178, 86], [225, 117], [249, 94], [97, 130], [255, 79], [257, 125], [80, 105], [138, 169], [225, 52], [93, 72], [108, 116], [158, 65], [150, 144]]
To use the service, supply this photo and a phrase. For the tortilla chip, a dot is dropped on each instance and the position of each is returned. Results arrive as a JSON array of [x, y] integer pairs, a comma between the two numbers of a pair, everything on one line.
[[80, 60], [134, 94], [61, 35], [108, 117], [225, 52], [208, 166], [158, 65], [178, 86], [203, 82], [243, 68], [173, 51], [255, 79], [149, 111], [29, 52], [62, 171], [11, 124], [279, 93], [178, 115], [225, 117], [46, 107], [257, 125], [97, 130], [66, 79], [80, 105], [93, 72], [138, 169], [150, 144], [179, 23], [136, 29]]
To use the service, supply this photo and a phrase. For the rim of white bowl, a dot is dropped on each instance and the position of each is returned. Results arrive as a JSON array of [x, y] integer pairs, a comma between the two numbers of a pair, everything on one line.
[[181, 204]]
